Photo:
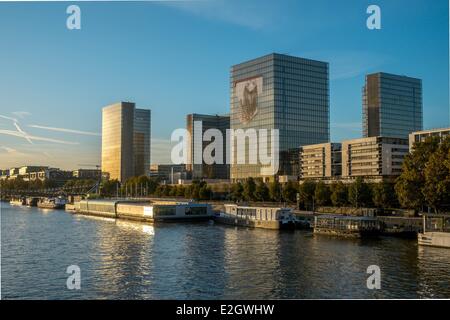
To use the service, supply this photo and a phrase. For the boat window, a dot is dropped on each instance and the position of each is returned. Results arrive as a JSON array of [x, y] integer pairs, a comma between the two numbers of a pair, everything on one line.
[[195, 211], [164, 211]]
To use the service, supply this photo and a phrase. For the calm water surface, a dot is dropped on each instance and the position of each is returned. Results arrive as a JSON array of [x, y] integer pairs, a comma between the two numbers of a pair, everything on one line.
[[128, 260]]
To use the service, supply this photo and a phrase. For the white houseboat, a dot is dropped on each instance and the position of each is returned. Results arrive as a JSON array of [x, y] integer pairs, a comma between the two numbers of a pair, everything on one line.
[[145, 211], [436, 231], [257, 217]]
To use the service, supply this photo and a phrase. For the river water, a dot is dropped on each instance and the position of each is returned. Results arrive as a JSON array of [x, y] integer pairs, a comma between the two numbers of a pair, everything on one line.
[[120, 259]]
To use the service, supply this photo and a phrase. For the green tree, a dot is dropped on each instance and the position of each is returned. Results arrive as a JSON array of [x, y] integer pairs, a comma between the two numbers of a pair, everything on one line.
[[322, 194], [110, 187], [194, 188], [383, 195], [290, 191], [411, 181], [359, 194], [205, 192], [306, 192], [237, 191], [180, 191], [173, 191], [262, 191], [249, 189], [275, 191], [339, 194], [436, 190]]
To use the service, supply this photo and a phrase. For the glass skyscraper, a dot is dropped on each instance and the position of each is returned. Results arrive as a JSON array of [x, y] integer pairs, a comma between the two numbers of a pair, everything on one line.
[[125, 141], [204, 170], [142, 129], [281, 92], [392, 105]]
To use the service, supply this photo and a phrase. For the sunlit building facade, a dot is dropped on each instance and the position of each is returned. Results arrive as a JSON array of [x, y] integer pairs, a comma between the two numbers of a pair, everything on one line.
[[323, 160], [125, 141], [421, 136], [373, 156], [281, 92], [392, 105]]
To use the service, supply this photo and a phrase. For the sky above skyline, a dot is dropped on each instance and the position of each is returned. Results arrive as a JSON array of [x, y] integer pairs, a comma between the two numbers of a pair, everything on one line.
[[175, 57]]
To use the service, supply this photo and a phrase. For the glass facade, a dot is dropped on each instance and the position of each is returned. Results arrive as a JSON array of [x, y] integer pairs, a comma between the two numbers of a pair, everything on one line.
[[125, 141], [142, 129], [117, 140], [392, 105], [207, 171], [281, 92]]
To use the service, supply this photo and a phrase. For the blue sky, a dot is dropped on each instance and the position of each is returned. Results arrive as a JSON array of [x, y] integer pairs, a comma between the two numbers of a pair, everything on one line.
[[175, 58]]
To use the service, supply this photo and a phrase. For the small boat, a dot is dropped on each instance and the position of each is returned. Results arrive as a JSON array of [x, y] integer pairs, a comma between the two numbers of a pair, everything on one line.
[[52, 203], [436, 231], [258, 217], [18, 201]]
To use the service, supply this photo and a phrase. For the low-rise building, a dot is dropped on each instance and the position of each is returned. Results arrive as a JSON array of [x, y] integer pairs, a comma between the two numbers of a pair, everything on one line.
[[170, 173], [422, 135], [50, 174], [23, 171], [14, 173], [87, 174], [321, 160], [373, 157]]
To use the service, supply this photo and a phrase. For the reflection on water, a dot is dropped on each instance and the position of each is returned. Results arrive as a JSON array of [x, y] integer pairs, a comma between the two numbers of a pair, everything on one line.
[[130, 260]]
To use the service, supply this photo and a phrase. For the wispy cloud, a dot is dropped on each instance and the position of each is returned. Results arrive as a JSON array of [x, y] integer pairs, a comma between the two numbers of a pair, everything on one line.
[[36, 138], [11, 152], [348, 64], [8, 118], [24, 134], [253, 14], [8, 150], [21, 114], [65, 130]]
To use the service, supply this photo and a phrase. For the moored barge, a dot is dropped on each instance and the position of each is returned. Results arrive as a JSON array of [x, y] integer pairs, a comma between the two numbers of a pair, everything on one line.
[[257, 217], [160, 211], [346, 226]]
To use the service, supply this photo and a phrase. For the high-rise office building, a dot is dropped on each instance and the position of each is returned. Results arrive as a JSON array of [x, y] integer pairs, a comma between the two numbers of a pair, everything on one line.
[[125, 141], [203, 170], [392, 105], [281, 92], [142, 129]]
